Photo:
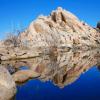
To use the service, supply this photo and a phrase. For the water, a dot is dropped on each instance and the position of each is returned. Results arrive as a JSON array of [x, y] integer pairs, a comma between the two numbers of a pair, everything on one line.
[[87, 87], [23, 68], [66, 76]]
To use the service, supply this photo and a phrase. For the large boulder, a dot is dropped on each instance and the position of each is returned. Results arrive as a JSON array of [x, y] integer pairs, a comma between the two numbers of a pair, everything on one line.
[[7, 85]]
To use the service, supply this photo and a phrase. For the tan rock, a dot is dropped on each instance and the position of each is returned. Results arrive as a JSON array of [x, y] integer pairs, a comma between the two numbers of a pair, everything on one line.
[[24, 75], [7, 85]]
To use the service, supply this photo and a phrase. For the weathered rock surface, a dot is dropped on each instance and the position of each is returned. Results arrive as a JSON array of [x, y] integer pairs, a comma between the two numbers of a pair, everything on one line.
[[7, 85]]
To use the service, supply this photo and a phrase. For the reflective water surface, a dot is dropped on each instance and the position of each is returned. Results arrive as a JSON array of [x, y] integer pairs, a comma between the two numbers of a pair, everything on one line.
[[73, 75]]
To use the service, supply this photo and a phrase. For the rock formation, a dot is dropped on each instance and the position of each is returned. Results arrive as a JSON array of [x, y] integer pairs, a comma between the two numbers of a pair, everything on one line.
[[61, 29]]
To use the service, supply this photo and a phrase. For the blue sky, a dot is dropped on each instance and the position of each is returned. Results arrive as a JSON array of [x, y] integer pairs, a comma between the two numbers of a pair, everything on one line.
[[19, 13]]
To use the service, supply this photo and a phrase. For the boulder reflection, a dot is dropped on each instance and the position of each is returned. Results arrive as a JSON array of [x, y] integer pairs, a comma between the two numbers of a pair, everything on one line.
[[62, 69]]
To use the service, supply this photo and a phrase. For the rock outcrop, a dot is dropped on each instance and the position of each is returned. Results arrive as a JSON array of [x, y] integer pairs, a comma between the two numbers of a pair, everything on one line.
[[60, 28]]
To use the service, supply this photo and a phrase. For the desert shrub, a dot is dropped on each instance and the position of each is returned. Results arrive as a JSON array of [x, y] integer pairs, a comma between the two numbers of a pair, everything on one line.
[[11, 40]]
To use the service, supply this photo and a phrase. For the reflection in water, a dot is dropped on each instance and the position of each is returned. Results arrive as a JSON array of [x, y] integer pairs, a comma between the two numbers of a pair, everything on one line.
[[62, 69]]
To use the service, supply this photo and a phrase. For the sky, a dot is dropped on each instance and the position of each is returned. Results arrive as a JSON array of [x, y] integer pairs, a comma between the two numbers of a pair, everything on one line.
[[18, 14]]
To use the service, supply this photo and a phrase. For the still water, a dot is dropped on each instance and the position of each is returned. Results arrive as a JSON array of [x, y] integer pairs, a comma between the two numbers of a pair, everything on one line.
[[87, 87], [73, 75]]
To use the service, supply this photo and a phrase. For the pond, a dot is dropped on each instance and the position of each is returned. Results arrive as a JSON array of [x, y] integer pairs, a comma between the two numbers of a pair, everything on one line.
[[72, 75]]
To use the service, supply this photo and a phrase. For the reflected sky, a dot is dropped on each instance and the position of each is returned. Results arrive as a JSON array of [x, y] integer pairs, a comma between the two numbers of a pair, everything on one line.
[[87, 87]]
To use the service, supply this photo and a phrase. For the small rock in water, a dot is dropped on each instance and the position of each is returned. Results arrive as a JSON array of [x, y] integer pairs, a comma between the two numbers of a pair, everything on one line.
[[24, 75]]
